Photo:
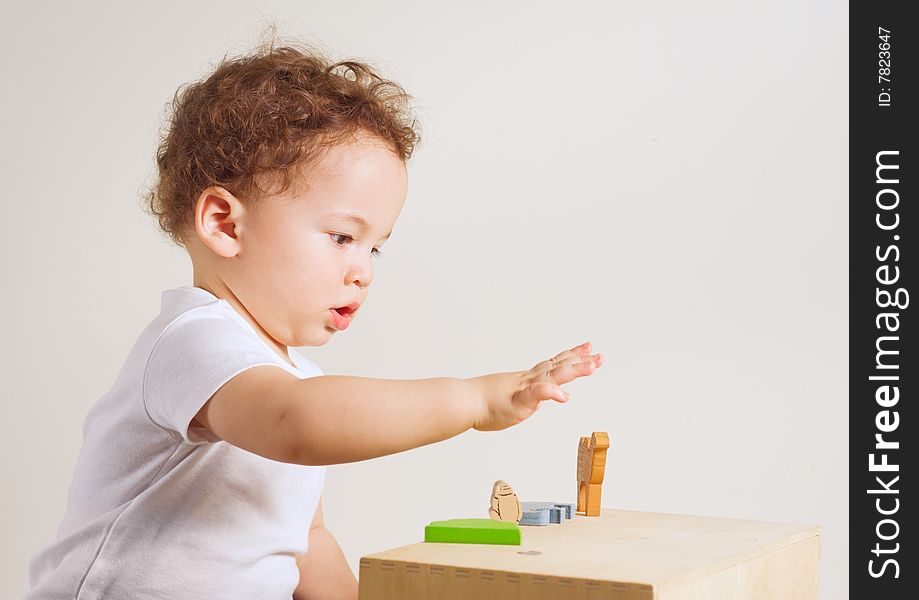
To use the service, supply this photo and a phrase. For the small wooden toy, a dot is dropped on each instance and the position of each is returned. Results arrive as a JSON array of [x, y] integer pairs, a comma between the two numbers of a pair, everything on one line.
[[535, 516], [505, 506], [569, 509], [558, 511], [473, 531], [591, 467]]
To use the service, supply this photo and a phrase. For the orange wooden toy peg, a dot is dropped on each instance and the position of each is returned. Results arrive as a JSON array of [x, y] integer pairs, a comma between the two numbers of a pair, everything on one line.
[[591, 467]]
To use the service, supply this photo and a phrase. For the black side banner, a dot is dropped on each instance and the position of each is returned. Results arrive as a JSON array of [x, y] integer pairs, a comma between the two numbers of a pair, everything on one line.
[[883, 370]]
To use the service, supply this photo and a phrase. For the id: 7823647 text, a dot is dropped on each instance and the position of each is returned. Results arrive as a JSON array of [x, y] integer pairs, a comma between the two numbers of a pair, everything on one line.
[[884, 77]]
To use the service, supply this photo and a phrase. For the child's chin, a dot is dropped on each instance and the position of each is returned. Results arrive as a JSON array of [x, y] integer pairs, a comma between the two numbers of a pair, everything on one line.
[[316, 339]]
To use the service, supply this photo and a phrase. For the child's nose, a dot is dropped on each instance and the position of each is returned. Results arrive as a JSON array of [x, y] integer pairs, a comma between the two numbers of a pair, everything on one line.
[[362, 275]]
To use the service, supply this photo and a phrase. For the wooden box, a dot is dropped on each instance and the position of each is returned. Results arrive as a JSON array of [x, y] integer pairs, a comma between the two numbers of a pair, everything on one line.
[[620, 555]]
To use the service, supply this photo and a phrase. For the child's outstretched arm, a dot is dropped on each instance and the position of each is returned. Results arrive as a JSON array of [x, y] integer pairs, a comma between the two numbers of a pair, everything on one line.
[[331, 419]]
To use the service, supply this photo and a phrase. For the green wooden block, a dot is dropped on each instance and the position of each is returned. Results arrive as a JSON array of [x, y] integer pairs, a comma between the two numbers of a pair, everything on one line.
[[473, 531]]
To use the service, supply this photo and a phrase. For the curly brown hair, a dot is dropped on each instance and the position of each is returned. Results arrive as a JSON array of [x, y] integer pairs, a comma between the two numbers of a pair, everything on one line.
[[268, 114]]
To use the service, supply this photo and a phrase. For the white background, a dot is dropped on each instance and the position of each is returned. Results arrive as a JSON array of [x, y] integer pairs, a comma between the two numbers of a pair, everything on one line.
[[666, 179]]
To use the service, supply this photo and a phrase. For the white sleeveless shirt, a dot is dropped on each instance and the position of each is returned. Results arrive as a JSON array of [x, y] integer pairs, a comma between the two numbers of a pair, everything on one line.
[[156, 510]]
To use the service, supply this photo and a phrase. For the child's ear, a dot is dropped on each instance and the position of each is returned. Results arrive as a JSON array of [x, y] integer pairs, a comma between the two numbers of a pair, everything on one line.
[[218, 214]]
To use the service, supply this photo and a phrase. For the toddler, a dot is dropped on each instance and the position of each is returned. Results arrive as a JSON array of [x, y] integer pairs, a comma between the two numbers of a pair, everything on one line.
[[282, 174]]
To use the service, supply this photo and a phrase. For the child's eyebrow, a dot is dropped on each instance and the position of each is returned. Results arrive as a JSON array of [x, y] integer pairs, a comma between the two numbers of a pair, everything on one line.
[[359, 220]]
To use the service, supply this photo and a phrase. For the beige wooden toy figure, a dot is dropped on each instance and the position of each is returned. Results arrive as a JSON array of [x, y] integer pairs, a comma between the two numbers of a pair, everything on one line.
[[591, 467], [505, 505]]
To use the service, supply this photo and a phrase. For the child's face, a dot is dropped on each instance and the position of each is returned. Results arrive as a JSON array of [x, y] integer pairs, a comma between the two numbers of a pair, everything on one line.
[[297, 258]]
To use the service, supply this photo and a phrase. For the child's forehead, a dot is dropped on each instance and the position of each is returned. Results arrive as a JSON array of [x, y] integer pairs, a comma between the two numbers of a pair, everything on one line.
[[347, 172], [358, 184]]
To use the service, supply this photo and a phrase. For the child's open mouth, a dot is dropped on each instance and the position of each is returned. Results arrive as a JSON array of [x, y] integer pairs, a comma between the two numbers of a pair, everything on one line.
[[341, 316]]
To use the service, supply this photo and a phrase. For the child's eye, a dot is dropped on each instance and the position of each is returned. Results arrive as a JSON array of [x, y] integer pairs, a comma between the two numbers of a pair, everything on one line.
[[374, 252], [340, 235]]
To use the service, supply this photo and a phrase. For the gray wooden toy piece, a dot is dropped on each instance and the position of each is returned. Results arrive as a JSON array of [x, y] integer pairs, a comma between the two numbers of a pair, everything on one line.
[[570, 509], [538, 517], [558, 511]]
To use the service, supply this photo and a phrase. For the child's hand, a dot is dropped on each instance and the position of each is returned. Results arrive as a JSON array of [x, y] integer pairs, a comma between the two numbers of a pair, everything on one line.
[[508, 398]]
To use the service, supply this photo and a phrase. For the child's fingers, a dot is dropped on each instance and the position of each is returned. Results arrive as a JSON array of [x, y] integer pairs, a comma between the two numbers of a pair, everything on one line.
[[584, 368], [548, 391], [578, 352], [573, 361], [575, 367], [580, 349], [559, 395], [592, 361]]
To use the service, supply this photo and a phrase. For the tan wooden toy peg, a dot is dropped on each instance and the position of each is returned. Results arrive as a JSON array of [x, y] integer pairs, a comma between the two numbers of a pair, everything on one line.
[[504, 504], [591, 467]]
